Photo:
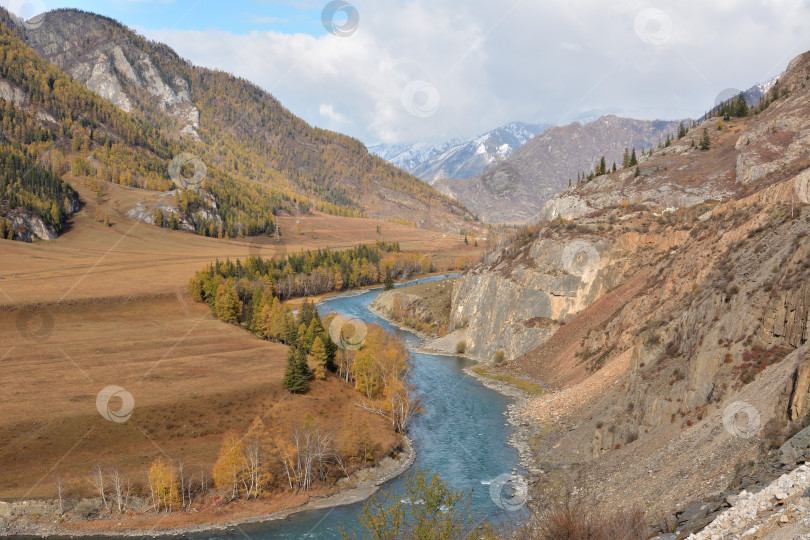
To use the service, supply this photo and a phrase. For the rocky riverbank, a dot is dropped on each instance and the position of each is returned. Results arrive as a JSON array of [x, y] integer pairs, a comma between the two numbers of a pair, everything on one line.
[[42, 518], [417, 298]]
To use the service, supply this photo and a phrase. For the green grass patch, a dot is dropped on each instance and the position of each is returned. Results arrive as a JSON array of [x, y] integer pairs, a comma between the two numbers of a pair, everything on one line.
[[527, 386]]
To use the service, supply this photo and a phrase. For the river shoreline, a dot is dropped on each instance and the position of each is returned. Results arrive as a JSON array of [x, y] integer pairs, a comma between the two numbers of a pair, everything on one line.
[[366, 482], [523, 432]]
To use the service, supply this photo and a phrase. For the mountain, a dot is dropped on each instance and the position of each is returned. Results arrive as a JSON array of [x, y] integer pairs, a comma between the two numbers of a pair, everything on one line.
[[410, 156], [667, 315], [753, 96], [459, 159], [261, 160], [514, 190]]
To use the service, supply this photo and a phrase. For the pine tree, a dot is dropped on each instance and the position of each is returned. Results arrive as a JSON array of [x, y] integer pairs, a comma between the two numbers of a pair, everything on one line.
[[313, 331], [626, 159], [705, 142], [602, 166], [319, 358], [306, 313], [740, 109], [614, 166], [633, 158], [228, 305], [389, 281], [158, 217], [296, 374], [331, 349], [637, 173], [255, 315], [681, 131], [290, 331]]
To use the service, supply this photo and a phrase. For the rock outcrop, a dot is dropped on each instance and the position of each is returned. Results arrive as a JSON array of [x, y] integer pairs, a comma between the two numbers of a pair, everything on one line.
[[28, 227], [116, 70]]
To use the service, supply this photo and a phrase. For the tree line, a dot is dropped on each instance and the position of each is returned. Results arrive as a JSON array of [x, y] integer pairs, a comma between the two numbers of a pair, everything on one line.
[[303, 274], [24, 184]]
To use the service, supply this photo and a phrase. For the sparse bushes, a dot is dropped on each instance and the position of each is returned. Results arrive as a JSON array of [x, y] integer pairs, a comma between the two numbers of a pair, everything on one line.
[[86, 508], [461, 347], [577, 517], [651, 339]]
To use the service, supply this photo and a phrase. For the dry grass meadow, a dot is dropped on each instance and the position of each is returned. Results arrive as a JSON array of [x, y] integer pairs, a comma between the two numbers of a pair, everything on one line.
[[107, 306]]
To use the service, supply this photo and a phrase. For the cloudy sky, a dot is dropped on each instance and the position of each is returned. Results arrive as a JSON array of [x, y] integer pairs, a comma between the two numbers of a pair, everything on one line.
[[428, 70]]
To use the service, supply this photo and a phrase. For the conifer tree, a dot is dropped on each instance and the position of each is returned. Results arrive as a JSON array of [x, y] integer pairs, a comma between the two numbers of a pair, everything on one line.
[[626, 159], [389, 281], [331, 349], [633, 158], [319, 358], [291, 331], [705, 142], [740, 107], [313, 331], [227, 306], [296, 374]]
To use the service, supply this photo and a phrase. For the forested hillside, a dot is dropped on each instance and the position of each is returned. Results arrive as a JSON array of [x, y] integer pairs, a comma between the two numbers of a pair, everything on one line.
[[261, 159], [23, 184], [65, 127]]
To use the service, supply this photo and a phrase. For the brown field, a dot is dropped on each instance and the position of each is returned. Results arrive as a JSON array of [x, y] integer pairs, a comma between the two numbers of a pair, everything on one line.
[[107, 306]]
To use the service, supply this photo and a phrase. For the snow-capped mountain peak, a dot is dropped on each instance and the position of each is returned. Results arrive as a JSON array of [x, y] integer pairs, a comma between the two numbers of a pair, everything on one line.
[[459, 159]]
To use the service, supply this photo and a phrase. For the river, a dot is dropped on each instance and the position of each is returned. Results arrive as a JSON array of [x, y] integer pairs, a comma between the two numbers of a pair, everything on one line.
[[461, 435]]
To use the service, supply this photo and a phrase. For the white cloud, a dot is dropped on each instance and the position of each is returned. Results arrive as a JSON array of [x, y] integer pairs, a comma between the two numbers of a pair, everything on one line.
[[491, 63], [328, 111]]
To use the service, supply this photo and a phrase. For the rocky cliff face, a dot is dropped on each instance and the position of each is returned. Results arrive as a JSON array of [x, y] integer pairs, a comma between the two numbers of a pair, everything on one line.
[[117, 70], [28, 227], [684, 348]]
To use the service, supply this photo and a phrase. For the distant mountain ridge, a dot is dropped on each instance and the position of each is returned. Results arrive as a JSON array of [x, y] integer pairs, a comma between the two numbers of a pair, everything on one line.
[[515, 189], [457, 158]]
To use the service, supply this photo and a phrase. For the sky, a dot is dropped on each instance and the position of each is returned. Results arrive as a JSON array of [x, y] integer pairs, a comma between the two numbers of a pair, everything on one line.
[[404, 71]]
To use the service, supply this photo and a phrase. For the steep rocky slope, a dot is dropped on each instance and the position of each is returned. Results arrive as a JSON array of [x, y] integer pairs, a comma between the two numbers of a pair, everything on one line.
[[667, 312], [514, 190], [232, 125]]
